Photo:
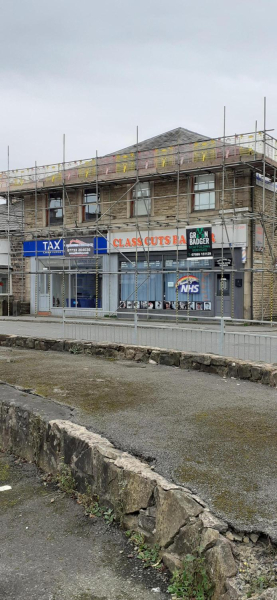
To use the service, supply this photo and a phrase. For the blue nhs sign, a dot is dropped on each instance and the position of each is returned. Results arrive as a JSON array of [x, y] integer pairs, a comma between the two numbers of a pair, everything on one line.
[[43, 248]]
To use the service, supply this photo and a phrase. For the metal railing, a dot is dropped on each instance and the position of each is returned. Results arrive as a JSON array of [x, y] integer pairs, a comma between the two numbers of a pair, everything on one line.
[[217, 336], [254, 346]]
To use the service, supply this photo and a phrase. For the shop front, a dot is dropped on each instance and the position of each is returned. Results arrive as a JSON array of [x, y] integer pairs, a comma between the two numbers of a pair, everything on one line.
[[66, 274], [155, 273]]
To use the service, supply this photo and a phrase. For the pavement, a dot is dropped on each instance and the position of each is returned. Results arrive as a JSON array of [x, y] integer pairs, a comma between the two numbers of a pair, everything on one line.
[[51, 551], [216, 436]]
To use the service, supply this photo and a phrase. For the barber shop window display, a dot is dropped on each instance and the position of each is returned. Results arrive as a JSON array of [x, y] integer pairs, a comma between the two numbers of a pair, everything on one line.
[[194, 283], [157, 284]]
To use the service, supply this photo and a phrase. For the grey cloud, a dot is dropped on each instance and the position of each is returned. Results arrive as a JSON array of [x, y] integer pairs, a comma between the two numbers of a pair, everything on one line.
[[95, 70]]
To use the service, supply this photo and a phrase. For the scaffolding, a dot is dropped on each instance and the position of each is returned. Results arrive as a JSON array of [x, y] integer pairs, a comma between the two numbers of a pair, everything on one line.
[[240, 163]]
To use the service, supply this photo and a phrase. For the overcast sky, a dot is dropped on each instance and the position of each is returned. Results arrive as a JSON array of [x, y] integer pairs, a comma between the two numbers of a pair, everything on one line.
[[94, 70]]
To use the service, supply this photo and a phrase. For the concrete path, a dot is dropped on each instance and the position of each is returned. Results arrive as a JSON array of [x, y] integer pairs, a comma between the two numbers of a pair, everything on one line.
[[217, 436], [51, 551]]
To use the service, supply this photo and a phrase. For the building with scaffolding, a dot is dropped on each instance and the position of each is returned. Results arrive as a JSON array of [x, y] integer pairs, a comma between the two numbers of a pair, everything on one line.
[[108, 235]]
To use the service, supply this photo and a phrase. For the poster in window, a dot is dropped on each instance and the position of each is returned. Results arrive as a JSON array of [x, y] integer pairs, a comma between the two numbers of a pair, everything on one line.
[[183, 305], [122, 304], [207, 306], [130, 304], [191, 305], [199, 306], [158, 304], [136, 304], [199, 242], [167, 305]]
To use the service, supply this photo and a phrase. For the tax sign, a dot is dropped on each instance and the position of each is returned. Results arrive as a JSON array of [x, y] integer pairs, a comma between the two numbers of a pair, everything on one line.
[[199, 242]]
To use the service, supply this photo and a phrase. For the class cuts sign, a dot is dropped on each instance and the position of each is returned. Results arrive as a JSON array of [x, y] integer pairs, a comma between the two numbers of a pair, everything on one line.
[[188, 284], [199, 242]]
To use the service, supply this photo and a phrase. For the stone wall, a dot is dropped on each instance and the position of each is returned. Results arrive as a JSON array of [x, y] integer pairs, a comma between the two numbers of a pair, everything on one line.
[[142, 500], [264, 285], [208, 363]]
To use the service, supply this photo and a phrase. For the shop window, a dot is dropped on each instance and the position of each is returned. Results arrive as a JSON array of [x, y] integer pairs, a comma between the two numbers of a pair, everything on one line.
[[194, 287], [90, 206], [141, 199], [55, 210], [149, 285], [3, 284], [203, 197], [78, 289]]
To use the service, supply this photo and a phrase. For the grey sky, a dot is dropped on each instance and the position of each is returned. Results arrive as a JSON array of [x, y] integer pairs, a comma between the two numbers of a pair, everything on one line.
[[94, 70]]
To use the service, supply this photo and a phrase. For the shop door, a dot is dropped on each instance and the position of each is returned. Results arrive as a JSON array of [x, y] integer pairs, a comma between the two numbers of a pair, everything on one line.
[[43, 292], [225, 282]]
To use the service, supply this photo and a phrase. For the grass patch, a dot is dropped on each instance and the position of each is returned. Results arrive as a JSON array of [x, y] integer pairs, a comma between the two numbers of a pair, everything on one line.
[[4, 471], [261, 583]]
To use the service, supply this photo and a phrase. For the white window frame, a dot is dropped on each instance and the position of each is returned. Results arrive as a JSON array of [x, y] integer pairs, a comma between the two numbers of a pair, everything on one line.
[[204, 192], [141, 197]]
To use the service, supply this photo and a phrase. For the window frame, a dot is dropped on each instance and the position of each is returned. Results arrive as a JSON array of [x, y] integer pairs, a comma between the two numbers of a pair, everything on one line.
[[198, 191], [90, 192], [144, 199], [54, 196]]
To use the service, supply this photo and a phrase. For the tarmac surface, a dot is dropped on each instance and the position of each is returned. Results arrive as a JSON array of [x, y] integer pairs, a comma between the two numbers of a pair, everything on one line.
[[216, 436], [51, 551]]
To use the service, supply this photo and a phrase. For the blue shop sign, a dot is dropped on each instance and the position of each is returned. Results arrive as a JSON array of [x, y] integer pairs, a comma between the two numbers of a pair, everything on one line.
[[56, 247], [43, 248]]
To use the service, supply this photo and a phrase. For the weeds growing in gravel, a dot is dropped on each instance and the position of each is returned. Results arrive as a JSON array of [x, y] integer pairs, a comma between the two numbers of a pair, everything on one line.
[[150, 555], [192, 582]]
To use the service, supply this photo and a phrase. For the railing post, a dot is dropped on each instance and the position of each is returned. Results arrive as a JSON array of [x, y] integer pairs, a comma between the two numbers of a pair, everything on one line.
[[135, 336], [221, 338]]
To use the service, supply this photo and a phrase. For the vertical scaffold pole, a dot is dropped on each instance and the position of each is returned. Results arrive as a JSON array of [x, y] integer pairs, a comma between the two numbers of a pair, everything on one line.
[[273, 247], [97, 265], [9, 249], [263, 221], [36, 242], [63, 292], [222, 215]]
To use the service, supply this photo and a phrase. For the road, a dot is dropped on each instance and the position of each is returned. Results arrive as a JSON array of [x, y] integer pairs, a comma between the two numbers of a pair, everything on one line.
[[255, 342], [216, 436], [51, 551]]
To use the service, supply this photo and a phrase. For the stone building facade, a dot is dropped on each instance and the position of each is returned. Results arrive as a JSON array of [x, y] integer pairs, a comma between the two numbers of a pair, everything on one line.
[[134, 215]]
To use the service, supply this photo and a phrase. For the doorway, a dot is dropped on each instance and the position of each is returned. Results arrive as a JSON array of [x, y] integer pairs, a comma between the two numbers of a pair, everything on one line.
[[223, 284], [43, 292]]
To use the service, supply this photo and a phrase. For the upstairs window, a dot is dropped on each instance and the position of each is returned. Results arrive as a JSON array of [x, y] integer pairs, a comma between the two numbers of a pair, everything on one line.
[[141, 199], [55, 209], [204, 192], [91, 208]]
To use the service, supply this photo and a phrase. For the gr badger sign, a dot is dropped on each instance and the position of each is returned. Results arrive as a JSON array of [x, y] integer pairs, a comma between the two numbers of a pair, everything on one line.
[[199, 242]]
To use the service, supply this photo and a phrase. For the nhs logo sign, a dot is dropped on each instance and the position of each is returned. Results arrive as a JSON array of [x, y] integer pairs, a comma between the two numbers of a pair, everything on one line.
[[43, 248]]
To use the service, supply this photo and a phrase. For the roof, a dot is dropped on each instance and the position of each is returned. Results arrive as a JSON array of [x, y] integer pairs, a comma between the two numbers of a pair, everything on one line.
[[169, 138]]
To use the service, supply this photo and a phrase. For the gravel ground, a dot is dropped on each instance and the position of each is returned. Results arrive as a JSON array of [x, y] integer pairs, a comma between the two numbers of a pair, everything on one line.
[[214, 435], [51, 551]]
